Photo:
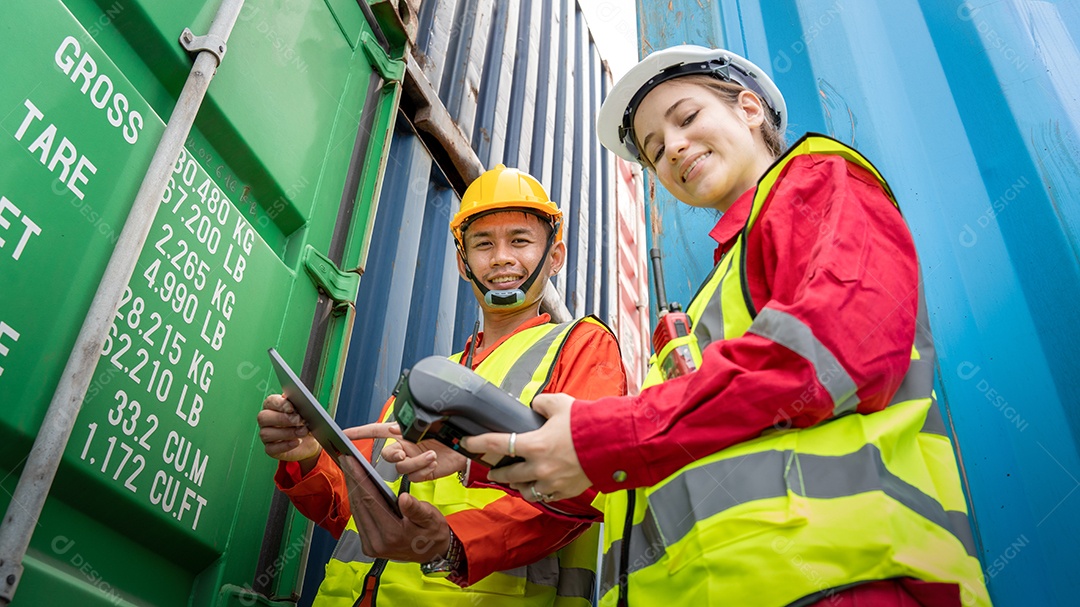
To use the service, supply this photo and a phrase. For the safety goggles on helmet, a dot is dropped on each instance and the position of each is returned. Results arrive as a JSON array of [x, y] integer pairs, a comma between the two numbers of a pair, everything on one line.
[[615, 122]]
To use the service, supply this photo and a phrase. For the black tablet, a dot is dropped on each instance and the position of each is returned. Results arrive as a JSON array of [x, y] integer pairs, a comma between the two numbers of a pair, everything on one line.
[[324, 428]]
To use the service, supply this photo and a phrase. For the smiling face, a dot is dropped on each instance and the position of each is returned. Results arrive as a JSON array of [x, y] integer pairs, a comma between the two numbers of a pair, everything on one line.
[[705, 151], [504, 248]]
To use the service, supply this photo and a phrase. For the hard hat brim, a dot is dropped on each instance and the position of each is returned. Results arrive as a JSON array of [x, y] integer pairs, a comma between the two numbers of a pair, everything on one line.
[[460, 222], [658, 68]]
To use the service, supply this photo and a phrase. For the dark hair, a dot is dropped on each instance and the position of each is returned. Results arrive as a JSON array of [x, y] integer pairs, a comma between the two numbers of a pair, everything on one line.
[[728, 92]]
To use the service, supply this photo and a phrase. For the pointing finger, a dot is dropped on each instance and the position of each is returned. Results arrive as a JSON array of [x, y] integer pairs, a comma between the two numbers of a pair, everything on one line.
[[371, 431], [493, 443]]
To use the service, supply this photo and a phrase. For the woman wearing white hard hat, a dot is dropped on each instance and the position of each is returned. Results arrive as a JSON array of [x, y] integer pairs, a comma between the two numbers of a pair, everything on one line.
[[804, 461]]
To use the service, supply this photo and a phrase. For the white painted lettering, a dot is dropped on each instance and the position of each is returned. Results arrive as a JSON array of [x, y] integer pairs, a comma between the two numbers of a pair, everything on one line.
[[223, 303], [102, 83], [237, 270], [32, 229], [63, 60], [44, 142], [219, 332], [32, 113], [29, 227], [87, 68], [198, 467], [65, 155], [243, 235], [8, 332], [100, 88], [115, 114], [78, 175], [135, 124]]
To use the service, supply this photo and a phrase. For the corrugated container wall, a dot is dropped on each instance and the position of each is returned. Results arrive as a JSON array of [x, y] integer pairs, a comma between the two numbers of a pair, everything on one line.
[[971, 110], [523, 82]]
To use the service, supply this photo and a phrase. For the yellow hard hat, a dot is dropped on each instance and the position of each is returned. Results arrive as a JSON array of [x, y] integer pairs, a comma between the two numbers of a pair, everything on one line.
[[503, 189]]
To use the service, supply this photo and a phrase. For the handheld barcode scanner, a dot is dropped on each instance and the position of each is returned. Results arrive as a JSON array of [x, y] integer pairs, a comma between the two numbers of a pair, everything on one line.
[[443, 400]]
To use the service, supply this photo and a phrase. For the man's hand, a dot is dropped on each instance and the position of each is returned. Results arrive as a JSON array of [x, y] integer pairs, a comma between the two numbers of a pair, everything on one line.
[[283, 433], [551, 470], [420, 535], [424, 462]]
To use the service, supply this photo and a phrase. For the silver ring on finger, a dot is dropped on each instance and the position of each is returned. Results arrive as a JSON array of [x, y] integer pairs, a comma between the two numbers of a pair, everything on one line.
[[513, 444], [541, 497]]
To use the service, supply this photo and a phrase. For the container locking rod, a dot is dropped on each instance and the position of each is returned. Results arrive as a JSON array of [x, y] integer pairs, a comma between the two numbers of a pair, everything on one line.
[[44, 459]]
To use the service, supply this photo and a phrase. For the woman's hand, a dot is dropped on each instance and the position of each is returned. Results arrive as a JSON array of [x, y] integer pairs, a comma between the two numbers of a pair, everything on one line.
[[551, 470]]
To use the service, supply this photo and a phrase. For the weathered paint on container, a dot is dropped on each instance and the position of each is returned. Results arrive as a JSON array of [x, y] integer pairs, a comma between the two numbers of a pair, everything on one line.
[[970, 111], [163, 492]]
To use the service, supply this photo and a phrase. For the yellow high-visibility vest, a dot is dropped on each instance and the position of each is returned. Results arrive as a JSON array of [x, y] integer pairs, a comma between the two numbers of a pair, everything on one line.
[[795, 515], [521, 365]]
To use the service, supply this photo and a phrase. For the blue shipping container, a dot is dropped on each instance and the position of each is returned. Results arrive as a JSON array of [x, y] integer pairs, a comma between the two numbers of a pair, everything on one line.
[[971, 110]]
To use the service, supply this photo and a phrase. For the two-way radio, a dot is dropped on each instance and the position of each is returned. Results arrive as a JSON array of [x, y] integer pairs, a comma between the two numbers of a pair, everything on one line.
[[673, 341]]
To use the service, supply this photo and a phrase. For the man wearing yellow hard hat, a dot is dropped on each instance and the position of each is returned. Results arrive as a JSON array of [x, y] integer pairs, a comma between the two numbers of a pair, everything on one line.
[[489, 548]]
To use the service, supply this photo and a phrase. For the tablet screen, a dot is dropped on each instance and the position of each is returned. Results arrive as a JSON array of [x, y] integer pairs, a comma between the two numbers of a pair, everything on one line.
[[324, 428]]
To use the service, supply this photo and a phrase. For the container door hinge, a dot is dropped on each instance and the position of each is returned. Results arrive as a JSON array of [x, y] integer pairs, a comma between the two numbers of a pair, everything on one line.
[[196, 44], [339, 286], [388, 68]]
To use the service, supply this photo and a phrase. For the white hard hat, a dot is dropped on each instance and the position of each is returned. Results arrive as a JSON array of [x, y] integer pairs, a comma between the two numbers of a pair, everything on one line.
[[615, 122]]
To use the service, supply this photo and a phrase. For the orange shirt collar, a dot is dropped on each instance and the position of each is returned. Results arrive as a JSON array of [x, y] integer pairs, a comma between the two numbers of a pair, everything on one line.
[[480, 356]]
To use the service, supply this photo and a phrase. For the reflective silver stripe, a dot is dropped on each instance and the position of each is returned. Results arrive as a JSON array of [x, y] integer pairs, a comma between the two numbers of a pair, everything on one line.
[[924, 340], [918, 382], [961, 528], [934, 424], [569, 582], [576, 582], [646, 548], [710, 327], [544, 572], [523, 369], [349, 549], [795, 335], [704, 491], [919, 379]]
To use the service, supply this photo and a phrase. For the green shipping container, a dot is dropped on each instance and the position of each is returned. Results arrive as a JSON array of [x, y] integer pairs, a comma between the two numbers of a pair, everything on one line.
[[163, 493]]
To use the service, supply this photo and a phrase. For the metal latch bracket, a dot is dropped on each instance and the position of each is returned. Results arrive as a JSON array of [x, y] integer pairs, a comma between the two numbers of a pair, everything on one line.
[[388, 68], [339, 286], [196, 44]]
